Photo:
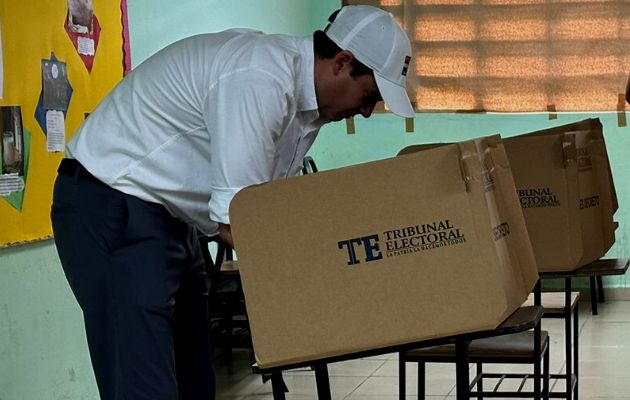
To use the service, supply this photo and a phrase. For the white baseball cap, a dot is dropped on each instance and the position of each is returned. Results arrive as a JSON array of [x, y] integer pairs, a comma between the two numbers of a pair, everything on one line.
[[375, 38]]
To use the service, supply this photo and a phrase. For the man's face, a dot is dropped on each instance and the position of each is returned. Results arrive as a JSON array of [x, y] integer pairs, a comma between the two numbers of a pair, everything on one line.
[[351, 96]]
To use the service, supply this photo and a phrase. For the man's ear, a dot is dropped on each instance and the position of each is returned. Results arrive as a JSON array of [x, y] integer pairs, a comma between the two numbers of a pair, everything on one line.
[[342, 60]]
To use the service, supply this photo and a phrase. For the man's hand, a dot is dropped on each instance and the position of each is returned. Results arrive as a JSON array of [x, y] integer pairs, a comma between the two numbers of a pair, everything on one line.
[[225, 232]]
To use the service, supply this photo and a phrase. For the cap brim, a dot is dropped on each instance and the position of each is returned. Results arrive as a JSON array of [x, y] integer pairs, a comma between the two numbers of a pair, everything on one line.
[[395, 97]]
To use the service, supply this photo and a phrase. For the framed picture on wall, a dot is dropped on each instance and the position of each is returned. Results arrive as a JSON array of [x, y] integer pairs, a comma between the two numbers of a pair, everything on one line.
[[12, 140], [80, 16]]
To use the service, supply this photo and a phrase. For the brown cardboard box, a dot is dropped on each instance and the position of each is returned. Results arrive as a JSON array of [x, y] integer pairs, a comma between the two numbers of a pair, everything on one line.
[[397, 251], [594, 126], [596, 195], [566, 190], [547, 186]]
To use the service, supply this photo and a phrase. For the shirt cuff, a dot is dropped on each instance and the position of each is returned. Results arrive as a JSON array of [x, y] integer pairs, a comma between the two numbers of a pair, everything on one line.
[[219, 204]]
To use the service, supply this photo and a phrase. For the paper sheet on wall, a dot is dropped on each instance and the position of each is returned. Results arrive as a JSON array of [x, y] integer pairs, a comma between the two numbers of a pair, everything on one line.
[[85, 46], [55, 131], [10, 183]]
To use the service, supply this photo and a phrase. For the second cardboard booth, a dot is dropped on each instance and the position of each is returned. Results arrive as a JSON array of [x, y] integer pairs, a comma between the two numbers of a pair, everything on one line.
[[565, 187]]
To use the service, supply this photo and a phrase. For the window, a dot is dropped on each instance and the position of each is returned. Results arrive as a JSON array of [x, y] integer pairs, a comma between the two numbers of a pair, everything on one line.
[[515, 55]]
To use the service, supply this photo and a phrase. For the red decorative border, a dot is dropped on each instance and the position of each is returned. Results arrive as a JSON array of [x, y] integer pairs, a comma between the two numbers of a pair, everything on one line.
[[126, 43]]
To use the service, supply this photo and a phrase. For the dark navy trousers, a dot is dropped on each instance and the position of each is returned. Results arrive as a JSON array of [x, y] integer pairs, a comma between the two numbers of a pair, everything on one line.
[[138, 275]]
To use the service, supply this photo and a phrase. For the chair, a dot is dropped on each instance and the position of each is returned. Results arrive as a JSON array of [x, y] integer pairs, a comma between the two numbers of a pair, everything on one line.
[[308, 166], [595, 271], [517, 348], [529, 347], [226, 302], [564, 306]]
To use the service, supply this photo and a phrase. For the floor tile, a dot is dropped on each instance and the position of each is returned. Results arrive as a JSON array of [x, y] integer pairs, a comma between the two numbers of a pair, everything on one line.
[[383, 385], [603, 367], [361, 367]]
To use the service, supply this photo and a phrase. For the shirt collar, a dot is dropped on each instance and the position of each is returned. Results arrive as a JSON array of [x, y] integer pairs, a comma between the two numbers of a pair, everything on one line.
[[307, 101]]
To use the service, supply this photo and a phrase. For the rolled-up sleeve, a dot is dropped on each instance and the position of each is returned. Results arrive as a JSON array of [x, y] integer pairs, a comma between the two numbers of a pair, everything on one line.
[[244, 113]]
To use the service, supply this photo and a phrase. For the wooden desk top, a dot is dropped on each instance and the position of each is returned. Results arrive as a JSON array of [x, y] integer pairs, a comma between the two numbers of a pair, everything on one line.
[[553, 302], [523, 319], [609, 266]]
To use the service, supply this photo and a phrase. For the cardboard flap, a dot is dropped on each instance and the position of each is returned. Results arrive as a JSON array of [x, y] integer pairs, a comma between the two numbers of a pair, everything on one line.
[[516, 239], [606, 188], [594, 125], [507, 224], [547, 188], [596, 206]]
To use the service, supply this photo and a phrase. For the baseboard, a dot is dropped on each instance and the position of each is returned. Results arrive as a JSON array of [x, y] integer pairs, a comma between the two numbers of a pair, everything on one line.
[[618, 294], [613, 294]]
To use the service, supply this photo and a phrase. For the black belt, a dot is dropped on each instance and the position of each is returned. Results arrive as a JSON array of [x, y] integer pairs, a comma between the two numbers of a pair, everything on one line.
[[71, 167]]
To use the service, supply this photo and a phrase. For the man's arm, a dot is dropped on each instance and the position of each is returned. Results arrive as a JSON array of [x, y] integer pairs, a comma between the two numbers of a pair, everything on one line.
[[244, 113], [226, 234]]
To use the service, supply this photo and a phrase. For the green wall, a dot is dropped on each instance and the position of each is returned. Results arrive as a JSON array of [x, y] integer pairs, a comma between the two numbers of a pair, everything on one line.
[[43, 354], [147, 19]]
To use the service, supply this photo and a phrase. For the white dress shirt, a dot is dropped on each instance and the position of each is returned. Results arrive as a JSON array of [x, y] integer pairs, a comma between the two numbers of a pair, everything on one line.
[[202, 119]]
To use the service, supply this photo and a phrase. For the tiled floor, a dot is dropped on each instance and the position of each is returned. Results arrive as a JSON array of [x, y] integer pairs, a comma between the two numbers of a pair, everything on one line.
[[604, 368]]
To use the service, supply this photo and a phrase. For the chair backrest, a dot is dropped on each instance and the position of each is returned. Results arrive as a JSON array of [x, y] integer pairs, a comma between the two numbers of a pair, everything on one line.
[[214, 251], [309, 166]]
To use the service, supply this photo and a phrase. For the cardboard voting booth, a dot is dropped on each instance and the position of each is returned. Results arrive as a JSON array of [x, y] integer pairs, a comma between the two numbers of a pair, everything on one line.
[[565, 188], [386, 253]]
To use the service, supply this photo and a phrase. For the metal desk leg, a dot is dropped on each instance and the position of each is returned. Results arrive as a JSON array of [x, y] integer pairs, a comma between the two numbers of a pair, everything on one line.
[[323, 384], [593, 285], [277, 386], [479, 382], [537, 342], [422, 382], [568, 338], [402, 376], [576, 348], [600, 289], [462, 369], [537, 372]]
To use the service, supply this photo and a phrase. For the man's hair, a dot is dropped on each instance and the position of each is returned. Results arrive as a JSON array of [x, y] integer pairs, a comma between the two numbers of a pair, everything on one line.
[[325, 48]]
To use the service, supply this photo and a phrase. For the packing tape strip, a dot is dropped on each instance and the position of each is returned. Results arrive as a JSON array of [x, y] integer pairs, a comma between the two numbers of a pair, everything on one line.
[[350, 126], [409, 125], [621, 111], [551, 108], [409, 122], [466, 177]]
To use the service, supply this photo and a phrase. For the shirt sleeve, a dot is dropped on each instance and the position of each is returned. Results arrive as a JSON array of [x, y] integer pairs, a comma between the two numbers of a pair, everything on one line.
[[244, 114]]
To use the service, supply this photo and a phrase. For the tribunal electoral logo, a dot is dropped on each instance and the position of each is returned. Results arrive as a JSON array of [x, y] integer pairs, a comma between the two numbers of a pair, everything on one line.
[[538, 197], [401, 241]]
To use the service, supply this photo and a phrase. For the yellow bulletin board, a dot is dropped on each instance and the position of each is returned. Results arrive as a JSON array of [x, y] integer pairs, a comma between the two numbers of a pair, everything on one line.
[[32, 31]]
